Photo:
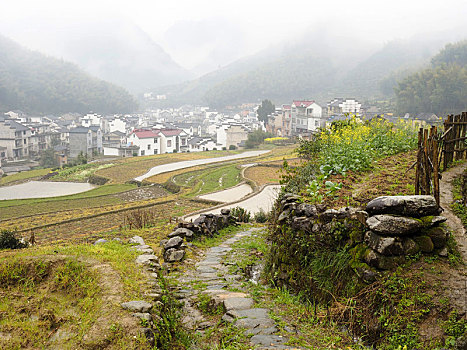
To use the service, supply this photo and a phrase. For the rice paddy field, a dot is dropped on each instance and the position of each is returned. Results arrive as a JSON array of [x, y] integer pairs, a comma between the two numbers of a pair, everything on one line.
[[104, 211]]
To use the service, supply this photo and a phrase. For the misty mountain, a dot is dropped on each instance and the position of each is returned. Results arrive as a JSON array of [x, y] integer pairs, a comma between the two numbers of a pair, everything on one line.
[[212, 43], [296, 68], [33, 82], [115, 50], [395, 59], [123, 54], [318, 65]]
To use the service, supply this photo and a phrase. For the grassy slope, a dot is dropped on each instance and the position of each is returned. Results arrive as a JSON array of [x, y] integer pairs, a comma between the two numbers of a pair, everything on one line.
[[25, 175], [59, 297], [414, 306]]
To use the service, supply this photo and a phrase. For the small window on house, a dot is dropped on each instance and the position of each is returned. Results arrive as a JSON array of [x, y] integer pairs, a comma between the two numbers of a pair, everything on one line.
[[169, 143], [155, 151], [142, 152], [149, 146], [24, 132], [155, 139], [24, 141]]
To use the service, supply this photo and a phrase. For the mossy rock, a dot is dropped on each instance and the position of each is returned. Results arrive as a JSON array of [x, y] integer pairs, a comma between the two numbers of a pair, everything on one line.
[[356, 236], [365, 272], [410, 246], [382, 262], [438, 236], [425, 243]]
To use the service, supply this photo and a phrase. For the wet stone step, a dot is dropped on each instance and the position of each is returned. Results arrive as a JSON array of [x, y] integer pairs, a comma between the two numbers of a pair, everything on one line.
[[206, 269], [250, 313], [217, 286], [268, 340], [238, 303], [259, 330], [256, 323], [217, 250]]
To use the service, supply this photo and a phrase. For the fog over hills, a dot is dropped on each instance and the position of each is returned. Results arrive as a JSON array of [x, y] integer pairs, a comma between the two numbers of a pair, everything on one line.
[[115, 50], [35, 83], [319, 65]]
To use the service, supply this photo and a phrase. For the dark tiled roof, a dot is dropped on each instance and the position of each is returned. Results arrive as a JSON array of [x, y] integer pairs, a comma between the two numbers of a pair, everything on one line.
[[79, 130]]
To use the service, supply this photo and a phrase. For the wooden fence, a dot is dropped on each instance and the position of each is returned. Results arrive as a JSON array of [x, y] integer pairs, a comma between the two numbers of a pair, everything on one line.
[[436, 148], [428, 161], [454, 138]]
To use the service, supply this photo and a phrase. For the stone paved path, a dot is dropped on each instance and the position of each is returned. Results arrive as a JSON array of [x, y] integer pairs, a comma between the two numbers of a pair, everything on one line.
[[213, 274], [446, 199]]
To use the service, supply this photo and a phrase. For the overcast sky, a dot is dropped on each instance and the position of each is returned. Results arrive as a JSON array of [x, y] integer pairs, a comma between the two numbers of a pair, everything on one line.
[[235, 28]]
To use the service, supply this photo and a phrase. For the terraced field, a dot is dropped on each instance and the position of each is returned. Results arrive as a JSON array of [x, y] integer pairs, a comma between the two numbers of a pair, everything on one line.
[[127, 169], [103, 211], [208, 180], [112, 224]]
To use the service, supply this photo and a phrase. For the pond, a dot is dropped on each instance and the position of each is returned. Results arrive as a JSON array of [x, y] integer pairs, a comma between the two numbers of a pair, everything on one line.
[[43, 189]]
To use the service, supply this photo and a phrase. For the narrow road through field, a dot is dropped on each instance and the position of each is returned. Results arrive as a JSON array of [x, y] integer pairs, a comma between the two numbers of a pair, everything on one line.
[[164, 168], [263, 200], [446, 199]]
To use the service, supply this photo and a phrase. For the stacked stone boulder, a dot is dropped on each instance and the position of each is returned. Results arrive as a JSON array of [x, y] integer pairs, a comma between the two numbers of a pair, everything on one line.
[[402, 225], [313, 218], [206, 224], [380, 236]]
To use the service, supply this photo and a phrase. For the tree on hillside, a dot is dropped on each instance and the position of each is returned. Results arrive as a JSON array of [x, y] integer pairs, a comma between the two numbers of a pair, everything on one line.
[[441, 88], [48, 159], [256, 138], [265, 109]]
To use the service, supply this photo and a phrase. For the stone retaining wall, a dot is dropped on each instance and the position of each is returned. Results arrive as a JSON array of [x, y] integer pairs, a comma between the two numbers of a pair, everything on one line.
[[206, 224], [379, 237]]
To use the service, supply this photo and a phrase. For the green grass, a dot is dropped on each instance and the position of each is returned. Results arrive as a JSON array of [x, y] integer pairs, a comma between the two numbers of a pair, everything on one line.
[[23, 176], [118, 255], [248, 251], [207, 242], [45, 289], [79, 173], [96, 192], [209, 180], [68, 286]]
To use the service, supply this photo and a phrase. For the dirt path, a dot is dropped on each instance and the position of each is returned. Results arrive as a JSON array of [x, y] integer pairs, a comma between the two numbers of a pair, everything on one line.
[[455, 279], [446, 199]]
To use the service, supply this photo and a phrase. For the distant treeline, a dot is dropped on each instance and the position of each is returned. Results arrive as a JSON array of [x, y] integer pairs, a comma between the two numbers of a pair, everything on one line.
[[440, 88], [35, 83]]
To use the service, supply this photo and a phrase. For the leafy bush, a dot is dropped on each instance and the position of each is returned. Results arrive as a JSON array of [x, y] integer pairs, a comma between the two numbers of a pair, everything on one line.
[[8, 240], [261, 216], [240, 214], [232, 147], [256, 138]]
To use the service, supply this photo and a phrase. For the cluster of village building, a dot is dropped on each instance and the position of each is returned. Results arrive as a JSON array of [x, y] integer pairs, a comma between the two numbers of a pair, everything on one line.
[[186, 129]]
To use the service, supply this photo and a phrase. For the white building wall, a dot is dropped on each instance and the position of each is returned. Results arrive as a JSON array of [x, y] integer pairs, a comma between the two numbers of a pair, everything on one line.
[[222, 136], [147, 146], [117, 125], [110, 151]]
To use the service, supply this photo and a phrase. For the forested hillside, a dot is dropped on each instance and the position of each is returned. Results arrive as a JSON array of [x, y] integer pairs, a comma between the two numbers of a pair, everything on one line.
[[441, 88], [316, 67], [36, 83]]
